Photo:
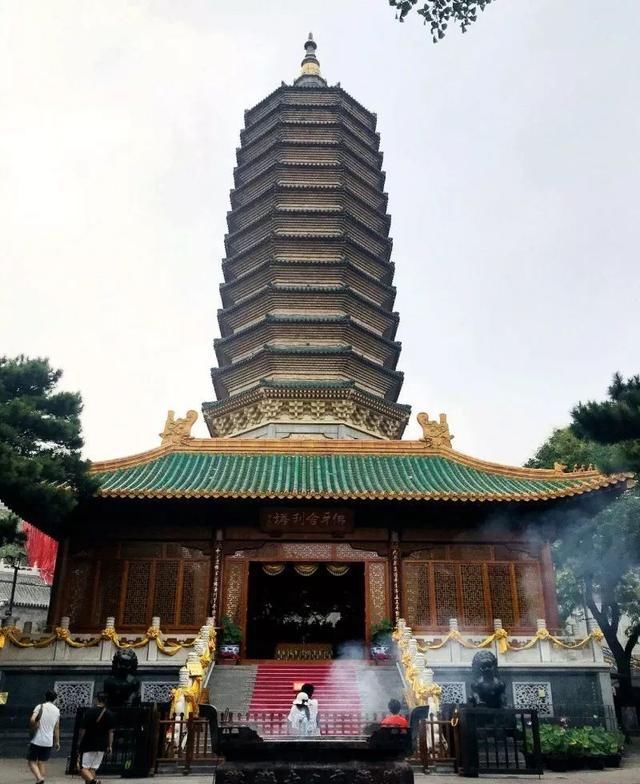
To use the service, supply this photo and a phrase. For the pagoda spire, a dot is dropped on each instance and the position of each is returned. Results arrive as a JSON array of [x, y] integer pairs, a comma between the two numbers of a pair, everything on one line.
[[310, 75]]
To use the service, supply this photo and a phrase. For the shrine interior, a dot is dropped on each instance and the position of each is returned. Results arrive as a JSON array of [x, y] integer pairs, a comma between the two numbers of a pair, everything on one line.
[[305, 611]]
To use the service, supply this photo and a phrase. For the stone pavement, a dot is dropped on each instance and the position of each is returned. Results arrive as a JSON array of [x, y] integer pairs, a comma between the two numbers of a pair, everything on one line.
[[16, 772]]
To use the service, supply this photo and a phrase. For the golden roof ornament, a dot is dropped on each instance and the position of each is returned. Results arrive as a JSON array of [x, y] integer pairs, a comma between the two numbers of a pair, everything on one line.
[[178, 431], [310, 67], [435, 434]]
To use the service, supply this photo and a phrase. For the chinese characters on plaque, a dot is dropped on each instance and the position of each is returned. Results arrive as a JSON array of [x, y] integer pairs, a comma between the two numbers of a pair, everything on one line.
[[294, 520]]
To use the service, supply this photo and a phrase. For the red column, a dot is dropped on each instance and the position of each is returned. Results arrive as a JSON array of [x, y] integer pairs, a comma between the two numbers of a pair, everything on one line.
[[548, 576]]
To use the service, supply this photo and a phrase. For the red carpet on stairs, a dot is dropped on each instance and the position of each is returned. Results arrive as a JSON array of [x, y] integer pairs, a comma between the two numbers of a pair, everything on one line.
[[336, 686]]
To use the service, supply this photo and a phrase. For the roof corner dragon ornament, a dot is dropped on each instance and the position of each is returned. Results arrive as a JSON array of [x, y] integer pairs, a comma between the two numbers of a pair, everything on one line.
[[178, 431], [435, 434]]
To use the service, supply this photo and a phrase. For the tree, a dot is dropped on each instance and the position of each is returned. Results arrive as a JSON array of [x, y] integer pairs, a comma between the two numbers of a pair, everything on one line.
[[564, 446], [12, 539], [438, 13], [42, 474], [598, 556], [615, 421]]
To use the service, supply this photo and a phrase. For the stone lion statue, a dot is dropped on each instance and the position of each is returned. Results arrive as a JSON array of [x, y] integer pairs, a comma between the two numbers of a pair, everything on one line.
[[487, 690], [122, 687]]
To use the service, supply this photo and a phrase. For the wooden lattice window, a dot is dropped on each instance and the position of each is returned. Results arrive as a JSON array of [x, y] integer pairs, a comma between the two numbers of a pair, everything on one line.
[[446, 593], [78, 595], [529, 593], [195, 595], [164, 600], [473, 592], [417, 593], [501, 585], [136, 593], [133, 581], [474, 612]]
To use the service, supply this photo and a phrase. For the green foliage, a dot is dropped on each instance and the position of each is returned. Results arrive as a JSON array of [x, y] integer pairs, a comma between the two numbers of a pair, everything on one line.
[[564, 446], [12, 539], [613, 421], [559, 741], [381, 632], [598, 555], [231, 632], [554, 740], [42, 474], [438, 13]]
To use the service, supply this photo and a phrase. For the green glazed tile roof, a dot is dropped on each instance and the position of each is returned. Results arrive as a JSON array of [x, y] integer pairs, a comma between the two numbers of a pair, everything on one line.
[[246, 469]]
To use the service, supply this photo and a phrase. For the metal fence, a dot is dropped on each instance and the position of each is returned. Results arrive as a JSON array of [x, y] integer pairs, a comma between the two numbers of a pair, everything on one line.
[[182, 743], [273, 724], [437, 742], [498, 742]]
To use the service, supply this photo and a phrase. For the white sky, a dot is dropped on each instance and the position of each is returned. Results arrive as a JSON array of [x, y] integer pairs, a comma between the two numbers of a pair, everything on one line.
[[512, 167]]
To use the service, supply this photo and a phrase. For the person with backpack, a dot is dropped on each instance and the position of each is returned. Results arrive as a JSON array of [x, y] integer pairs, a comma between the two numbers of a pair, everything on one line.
[[45, 732], [95, 738]]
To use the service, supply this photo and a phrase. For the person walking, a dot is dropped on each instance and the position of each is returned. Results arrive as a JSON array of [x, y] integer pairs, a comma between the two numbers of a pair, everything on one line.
[[45, 728], [95, 738]]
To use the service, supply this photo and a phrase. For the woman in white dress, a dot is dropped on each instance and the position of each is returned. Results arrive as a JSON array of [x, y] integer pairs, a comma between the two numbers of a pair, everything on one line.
[[314, 726], [300, 715]]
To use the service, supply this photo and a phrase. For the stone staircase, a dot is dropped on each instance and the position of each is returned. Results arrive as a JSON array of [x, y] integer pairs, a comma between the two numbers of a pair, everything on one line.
[[340, 686], [231, 687]]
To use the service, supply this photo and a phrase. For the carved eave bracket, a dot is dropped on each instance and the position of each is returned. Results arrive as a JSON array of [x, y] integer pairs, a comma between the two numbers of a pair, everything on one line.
[[178, 431], [435, 434]]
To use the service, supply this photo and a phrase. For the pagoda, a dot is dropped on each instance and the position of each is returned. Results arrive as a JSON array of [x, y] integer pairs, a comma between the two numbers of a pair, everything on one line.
[[305, 502], [307, 346]]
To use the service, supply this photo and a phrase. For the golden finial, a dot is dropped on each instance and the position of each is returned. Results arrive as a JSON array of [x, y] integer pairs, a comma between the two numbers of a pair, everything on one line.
[[310, 67]]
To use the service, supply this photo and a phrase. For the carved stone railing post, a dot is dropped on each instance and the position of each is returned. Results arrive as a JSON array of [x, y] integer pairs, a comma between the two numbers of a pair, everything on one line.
[[61, 650], [544, 646], [152, 649], [455, 654], [497, 624], [107, 648], [596, 647]]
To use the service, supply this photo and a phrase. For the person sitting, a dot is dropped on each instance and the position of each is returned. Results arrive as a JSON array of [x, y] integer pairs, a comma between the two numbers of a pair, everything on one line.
[[394, 719]]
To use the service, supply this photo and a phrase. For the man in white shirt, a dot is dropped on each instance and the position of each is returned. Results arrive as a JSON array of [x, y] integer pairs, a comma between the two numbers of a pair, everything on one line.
[[45, 725]]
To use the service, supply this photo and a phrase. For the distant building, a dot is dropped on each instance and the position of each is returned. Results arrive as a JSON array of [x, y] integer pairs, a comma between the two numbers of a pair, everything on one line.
[[31, 600]]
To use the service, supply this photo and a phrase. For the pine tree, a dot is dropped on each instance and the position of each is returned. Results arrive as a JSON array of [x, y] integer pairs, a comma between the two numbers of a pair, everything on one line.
[[42, 473]]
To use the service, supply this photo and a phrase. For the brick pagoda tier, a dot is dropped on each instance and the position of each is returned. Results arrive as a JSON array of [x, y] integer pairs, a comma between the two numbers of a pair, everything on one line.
[[308, 328]]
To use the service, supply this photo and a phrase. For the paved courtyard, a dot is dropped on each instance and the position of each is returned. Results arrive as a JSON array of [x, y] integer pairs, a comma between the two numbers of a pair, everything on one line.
[[15, 771]]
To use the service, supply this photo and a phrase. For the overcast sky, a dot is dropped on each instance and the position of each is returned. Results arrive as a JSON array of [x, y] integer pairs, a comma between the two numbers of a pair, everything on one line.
[[513, 169]]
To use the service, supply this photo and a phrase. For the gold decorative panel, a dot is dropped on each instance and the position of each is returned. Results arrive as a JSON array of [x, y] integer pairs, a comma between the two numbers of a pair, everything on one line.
[[234, 576], [377, 592]]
